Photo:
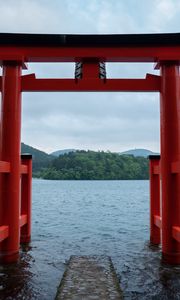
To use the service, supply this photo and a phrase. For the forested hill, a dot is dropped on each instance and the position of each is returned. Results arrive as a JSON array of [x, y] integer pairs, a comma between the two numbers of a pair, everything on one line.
[[90, 165], [40, 158]]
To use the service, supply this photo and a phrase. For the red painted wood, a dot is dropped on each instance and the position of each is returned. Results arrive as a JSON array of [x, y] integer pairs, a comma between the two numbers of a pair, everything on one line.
[[154, 200], [4, 233], [26, 199], [22, 220], [175, 167], [176, 233], [73, 54], [150, 84], [158, 221], [170, 153], [24, 169], [5, 167], [156, 170], [11, 128]]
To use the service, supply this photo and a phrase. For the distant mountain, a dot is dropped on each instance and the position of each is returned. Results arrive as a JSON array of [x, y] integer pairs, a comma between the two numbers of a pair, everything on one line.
[[43, 160], [62, 152], [40, 159], [139, 152]]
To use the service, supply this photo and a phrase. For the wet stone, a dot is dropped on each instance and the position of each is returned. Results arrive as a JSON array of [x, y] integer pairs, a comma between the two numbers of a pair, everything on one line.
[[89, 278]]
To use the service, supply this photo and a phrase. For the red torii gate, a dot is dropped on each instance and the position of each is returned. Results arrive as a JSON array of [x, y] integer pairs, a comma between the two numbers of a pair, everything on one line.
[[89, 52]]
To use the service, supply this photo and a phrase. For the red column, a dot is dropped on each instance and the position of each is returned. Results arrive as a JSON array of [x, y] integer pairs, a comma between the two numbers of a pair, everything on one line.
[[26, 196], [11, 128], [154, 174], [170, 153]]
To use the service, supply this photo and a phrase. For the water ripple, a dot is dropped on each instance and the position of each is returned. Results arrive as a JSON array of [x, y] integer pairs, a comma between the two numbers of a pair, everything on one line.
[[90, 218]]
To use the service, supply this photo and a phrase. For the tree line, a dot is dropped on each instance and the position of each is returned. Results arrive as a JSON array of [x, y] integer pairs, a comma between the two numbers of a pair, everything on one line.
[[91, 165]]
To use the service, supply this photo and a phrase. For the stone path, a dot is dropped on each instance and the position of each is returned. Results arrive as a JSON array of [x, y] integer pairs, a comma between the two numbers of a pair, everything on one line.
[[89, 278]]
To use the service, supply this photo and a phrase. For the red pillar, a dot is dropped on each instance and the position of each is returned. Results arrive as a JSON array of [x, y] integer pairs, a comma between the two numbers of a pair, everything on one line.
[[155, 234], [170, 153], [11, 128], [26, 196]]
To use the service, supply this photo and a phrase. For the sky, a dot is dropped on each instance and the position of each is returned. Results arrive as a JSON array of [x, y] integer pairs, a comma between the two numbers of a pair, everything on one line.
[[97, 121]]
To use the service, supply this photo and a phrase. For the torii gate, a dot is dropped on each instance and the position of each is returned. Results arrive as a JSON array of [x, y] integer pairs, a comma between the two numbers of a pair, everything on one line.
[[90, 53]]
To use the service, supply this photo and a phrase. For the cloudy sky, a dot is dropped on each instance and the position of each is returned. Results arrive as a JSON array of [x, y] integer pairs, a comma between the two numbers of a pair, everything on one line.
[[97, 121]]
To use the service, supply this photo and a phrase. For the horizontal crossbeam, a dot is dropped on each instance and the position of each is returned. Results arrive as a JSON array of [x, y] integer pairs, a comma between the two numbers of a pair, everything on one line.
[[23, 220], [74, 54], [176, 233], [4, 232], [4, 167], [31, 84], [157, 221]]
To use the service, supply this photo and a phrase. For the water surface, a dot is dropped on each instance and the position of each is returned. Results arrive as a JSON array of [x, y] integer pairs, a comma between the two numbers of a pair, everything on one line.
[[84, 218]]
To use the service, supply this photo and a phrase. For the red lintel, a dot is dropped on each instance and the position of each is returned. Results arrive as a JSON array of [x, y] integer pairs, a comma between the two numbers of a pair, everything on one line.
[[150, 84], [157, 221], [107, 54], [23, 220], [4, 232], [176, 233], [4, 167]]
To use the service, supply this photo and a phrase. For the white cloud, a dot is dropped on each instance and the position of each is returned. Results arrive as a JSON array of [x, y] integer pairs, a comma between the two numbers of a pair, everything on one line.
[[26, 16], [165, 16]]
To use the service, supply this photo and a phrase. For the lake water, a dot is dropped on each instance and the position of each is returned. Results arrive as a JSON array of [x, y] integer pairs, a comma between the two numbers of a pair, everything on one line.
[[90, 217]]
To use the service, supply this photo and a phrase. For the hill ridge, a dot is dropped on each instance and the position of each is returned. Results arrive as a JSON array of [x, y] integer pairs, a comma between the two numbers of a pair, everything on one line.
[[139, 152]]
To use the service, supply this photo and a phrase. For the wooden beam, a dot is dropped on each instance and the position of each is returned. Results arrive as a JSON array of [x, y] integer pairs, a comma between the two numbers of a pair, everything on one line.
[[150, 84]]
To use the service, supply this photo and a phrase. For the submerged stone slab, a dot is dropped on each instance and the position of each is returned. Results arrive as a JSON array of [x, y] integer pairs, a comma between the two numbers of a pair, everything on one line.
[[89, 278]]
